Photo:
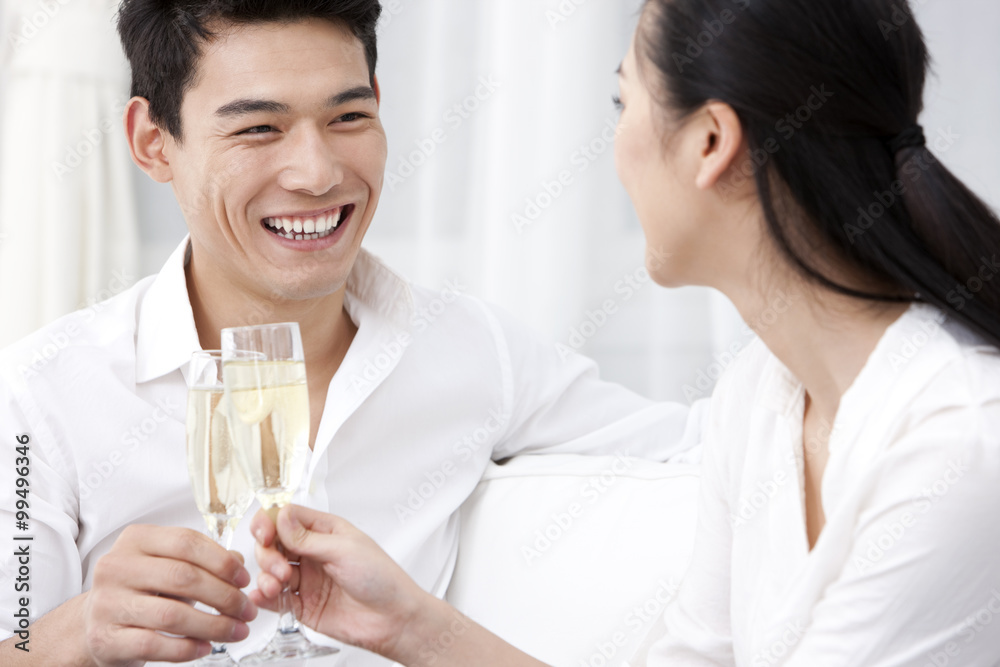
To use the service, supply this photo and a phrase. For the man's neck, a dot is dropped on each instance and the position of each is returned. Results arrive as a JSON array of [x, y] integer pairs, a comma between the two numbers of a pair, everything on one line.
[[327, 330]]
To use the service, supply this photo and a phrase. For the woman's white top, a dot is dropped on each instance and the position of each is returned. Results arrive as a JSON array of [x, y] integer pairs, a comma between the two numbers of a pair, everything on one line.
[[906, 571]]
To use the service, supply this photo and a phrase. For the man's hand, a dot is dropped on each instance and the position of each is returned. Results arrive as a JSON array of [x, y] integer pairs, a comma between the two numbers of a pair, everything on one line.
[[147, 584], [348, 588]]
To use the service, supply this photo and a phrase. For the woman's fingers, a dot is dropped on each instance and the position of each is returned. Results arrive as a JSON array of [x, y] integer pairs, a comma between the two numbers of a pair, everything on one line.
[[262, 528], [311, 533], [267, 595]]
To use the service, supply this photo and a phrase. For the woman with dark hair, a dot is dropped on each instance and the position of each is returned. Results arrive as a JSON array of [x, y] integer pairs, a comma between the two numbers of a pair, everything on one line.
[[781, 155]]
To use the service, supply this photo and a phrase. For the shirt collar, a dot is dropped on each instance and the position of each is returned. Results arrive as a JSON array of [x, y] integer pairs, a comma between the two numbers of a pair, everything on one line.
[[782, 391], [166, 334]]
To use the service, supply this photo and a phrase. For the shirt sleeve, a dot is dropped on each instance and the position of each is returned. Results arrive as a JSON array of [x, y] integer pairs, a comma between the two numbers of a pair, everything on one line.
[[698, 628], [920, 584], [557, 403], [40, 562]]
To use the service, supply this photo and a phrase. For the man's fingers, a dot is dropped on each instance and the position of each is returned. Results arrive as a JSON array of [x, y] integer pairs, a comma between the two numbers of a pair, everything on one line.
[[172, 616], [188, 545], [183, 580], [115, 644]]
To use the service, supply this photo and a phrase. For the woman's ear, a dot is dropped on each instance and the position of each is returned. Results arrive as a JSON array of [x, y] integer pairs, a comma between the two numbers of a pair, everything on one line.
[[146, 141], [721, 143]]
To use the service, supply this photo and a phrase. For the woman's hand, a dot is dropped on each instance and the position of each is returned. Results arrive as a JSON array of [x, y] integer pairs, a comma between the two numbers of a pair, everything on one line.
[[348, 588]]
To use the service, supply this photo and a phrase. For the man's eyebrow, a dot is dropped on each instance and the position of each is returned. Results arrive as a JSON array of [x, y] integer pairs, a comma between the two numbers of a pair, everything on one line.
[[249, 106], [620, 71], [352, 95], [244, 107]]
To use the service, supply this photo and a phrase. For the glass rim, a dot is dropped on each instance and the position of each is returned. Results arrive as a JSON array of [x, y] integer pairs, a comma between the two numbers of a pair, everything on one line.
[[196, 374], [257, 327], [207, 353]]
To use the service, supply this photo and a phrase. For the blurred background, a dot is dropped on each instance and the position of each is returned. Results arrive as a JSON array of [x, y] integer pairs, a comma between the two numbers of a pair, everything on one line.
[[486, 105]]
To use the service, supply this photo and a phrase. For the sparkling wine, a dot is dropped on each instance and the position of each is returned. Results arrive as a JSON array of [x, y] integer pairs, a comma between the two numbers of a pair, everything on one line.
[[270, 405], [221, 490]]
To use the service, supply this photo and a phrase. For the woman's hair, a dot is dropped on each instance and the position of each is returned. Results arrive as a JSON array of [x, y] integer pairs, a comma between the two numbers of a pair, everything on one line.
[[828, 93]]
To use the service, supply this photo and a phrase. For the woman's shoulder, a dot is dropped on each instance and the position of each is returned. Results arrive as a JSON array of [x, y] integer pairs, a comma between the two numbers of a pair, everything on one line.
[[943, 362]]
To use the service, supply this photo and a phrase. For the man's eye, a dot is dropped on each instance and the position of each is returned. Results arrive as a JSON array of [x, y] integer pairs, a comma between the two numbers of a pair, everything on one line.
[[259, 129], [351, 117]]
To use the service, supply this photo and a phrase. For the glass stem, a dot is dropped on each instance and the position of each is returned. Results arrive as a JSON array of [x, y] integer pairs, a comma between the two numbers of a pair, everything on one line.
[[220, 527], [287, 623]]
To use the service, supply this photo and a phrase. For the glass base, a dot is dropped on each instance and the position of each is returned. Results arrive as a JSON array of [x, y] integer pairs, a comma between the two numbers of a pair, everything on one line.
[[219, 657], [291, 645]]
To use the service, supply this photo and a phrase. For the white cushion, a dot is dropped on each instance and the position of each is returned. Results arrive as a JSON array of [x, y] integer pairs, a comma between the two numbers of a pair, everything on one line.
[[571, 558]]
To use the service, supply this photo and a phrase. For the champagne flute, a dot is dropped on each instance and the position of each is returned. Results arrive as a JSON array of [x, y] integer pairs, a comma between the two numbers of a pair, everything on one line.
[[265, 379], [221, 490]]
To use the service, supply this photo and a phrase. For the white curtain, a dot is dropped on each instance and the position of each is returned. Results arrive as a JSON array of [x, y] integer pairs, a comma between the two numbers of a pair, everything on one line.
[[68, 230], [514, 192]]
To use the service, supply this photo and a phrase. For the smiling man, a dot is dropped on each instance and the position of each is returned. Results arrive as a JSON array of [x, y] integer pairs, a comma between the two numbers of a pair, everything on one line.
[[264, 118]]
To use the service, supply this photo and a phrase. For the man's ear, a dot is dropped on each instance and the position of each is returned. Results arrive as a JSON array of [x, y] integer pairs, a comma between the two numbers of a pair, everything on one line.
[[721, 143], [378, 90], [146, 141]]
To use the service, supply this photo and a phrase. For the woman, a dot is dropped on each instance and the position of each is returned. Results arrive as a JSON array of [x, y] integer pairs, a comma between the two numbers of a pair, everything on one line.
[[784, 158]]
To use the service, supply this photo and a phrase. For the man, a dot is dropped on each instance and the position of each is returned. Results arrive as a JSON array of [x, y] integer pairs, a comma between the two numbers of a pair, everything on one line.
[[264, 118]]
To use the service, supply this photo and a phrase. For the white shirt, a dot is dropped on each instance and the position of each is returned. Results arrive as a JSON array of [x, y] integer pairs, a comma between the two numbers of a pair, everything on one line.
[[906, 572], [434, 386]]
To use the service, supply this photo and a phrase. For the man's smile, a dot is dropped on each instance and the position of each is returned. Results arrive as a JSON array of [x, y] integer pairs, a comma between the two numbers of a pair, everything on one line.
[[308, 227]]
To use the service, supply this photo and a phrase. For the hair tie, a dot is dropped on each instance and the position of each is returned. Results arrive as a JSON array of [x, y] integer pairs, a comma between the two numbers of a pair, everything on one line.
[[911, 137]]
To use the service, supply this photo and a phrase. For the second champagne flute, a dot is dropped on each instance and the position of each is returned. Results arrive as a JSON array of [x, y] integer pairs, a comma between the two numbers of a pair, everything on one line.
[[221, 490], [265, 380]]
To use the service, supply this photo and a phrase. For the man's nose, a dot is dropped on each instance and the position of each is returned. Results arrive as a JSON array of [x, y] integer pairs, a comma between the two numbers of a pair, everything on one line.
[[312, 166]]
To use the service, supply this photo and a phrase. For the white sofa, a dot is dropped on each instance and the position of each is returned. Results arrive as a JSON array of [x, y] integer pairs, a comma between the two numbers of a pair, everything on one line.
[[572, 558]]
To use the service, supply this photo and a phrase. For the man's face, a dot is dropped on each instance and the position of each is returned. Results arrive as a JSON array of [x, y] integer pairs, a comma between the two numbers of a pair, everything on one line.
[[282, 160]]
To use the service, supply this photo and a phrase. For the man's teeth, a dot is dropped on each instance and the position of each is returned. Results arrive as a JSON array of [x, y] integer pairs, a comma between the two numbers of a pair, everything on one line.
[[306, 229]]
